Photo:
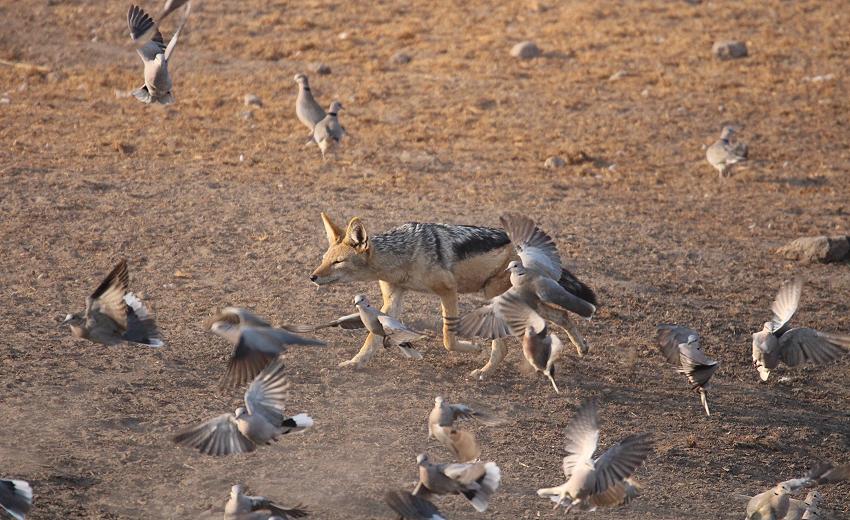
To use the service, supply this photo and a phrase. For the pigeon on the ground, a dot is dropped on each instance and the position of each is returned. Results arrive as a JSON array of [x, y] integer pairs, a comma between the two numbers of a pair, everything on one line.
[[328, 132], [260, 422], [681, 347], [778, 342], [309, 112], [241, 506], [775, 503], [114, 315]]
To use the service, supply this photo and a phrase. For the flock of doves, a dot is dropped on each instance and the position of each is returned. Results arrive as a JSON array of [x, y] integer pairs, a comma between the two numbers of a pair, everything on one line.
[[114, 316]]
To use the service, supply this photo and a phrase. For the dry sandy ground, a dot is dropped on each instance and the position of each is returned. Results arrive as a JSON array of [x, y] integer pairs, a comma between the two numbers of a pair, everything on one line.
[[459, 135]]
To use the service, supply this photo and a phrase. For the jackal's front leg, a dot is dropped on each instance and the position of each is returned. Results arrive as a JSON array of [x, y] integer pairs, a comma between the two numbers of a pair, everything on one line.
[[448, 300], [393, 296], [498, 351]]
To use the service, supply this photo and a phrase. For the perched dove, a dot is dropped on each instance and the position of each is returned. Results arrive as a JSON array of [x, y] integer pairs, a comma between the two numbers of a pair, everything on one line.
[[113, 315], [255, 343], [328, 132], [681, 347], [155, 56], [590, 481], [774, 504], [477, 481], [241, 506], [394, 332], [778, 342], [15, 498], [409, 506], [260, 422], [308, 111], [722, 154]]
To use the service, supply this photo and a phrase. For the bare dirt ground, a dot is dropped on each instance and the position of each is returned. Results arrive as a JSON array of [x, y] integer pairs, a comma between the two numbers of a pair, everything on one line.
[[458, 135]]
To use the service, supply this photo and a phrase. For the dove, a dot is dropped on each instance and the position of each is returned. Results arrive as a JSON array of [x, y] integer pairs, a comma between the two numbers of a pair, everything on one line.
[[409, 506], [113, 315], [328, 132], [476, 482], [445, 414], [775, 503], [255, 343], [308, 111], [681, 347], [15, 498], [155, 55], [590, 481], [722, 154], [259, 422], [777, 342], [241, 506], [394, 332], [169, 7]]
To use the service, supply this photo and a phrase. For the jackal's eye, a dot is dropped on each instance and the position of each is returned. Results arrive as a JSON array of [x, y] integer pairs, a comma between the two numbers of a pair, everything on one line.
[[338, 261]]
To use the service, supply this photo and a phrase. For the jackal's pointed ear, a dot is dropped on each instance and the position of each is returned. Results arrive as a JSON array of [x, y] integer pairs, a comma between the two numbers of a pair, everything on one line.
[[356, 235], [334, 233]]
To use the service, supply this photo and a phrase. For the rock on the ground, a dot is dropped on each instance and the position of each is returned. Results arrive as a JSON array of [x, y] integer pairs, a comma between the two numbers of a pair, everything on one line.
[[554, 162], [729, 49], [817, 249], [253, 101], [400, 58], [525, 50], [322, 69]]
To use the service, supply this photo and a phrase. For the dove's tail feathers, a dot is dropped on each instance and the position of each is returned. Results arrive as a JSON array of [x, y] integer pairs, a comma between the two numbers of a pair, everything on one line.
[[297, 423], [410, 352], [578, 288], [488, 484], [142, 94], [141, 327]]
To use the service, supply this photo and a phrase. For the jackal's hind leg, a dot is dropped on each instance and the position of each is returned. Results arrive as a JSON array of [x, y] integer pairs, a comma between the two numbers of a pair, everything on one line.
[[498, 351], [393, 297]]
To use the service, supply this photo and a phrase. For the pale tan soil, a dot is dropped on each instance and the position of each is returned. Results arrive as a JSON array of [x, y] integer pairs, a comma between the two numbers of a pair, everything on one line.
[[460, 134]]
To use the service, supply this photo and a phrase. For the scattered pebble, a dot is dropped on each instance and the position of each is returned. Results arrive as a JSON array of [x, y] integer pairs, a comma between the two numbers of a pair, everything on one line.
[[525, 50], [729, 49], [554, 162], [400, 58], [618, 75], [818, 79], [5, 100], [322, 69], [343, 35], [253, 101], [247, 115]]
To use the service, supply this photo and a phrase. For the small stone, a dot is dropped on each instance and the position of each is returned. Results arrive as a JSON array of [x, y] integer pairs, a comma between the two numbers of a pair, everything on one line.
[[253, 101], [5, 100], [247, 115], [554, 162], [618, 75], [322, 69], [729, 50], [400, 58], [55, 76], [817, 249], [525, 50]]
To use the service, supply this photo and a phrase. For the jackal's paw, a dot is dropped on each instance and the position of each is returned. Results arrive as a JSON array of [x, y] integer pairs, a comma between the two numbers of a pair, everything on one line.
[[464, 346], [353, 363], [481, 373]]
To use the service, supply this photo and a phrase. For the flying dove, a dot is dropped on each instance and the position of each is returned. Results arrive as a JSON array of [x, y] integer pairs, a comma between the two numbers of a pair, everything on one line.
[[328, 132], [260, 422], [681, 347], [394, 332], [722, 154], [777, 342], [534, 247], [113, 315], [476, 482], [241, 506], [255, 343], [308, 111], [445, 414], [590, 481], [15, 498], [155, 55], [411, 507], [774, 504]]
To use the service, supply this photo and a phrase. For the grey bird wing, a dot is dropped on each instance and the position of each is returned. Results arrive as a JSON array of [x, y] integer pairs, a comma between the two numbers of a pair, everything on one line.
[[348, 322], [141, 24], [169, 7], [620, 461], [218, 436], [463, 473], [108, 298], [16, 497], [256, 348], [785, 305], [808, 345], [462, 411], [173, 42], [267, 394], [241, 316], [263, 503], [411, 507], [618, 494], [535, 248], [581, 436], [553, 295], [697, 367], [322, 131], [517, 314], [396, 330], [489, 322], [669, 337]]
